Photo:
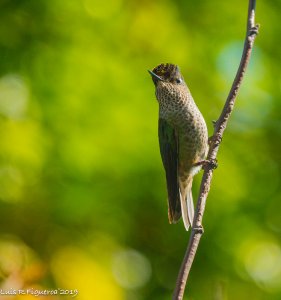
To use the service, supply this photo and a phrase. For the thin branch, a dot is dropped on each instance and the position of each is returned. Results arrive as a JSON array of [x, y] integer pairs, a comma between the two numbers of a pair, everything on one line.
[[219, 127]]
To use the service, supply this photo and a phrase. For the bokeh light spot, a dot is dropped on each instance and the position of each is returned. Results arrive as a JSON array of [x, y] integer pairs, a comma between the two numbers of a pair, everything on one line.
[[263, 263], [229, 58], [260, 257], [75, 269], [13, 96], [131, 269]]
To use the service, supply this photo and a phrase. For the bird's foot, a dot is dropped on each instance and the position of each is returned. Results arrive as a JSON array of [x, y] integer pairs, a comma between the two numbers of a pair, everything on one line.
[[198, 229], [212, 163], [200, 163]]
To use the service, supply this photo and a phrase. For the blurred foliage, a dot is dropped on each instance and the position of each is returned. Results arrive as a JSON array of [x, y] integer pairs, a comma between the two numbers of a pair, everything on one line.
[[82, 188]]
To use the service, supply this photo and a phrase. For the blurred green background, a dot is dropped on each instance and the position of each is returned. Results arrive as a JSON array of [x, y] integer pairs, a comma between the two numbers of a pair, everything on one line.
[[82, 188]]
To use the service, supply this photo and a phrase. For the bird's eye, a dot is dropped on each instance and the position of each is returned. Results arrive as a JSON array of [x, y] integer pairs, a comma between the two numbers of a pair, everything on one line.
[[178, 80]]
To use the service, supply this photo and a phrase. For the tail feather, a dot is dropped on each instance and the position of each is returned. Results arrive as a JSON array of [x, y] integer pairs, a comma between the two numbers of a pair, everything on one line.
[[190, 206], [187, 206]]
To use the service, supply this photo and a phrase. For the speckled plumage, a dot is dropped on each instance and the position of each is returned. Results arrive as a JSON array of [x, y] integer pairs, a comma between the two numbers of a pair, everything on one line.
[[179, 113]]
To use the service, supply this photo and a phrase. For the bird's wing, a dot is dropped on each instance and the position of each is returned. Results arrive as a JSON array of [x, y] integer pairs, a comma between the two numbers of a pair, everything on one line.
[[168, 141]]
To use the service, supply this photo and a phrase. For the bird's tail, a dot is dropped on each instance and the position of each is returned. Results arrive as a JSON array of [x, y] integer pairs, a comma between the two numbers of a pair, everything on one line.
[[187, 206]]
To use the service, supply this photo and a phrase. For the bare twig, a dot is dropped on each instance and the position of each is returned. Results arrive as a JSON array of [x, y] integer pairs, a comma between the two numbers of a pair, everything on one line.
[[219, 127]]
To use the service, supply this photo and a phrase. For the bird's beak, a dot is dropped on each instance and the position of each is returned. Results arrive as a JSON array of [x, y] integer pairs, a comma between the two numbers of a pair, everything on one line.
[[155, 77]]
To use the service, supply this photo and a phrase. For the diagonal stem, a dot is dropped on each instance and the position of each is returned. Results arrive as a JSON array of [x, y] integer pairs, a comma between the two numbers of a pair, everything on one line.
[[220, 125]]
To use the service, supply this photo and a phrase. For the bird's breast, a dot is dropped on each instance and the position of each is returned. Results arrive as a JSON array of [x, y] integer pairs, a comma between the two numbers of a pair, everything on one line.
[[191, 130]]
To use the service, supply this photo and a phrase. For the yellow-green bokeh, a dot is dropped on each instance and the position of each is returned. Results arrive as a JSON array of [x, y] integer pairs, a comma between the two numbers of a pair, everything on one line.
[[82, 188]]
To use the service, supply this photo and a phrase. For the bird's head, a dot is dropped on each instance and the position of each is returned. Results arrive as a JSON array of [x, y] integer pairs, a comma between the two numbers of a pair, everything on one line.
[[166, 73]]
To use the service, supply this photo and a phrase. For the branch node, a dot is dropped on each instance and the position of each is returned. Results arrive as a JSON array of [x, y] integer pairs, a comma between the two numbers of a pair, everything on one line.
[[254, 30], [214, 122], [198, 229], [217, 139], [210, 140]]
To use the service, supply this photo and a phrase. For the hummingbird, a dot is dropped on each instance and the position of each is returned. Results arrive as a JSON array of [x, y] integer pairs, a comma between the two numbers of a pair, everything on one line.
[[183, 139]]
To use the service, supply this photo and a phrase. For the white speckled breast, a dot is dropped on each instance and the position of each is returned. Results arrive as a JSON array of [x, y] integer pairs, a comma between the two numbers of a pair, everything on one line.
[[177, 106]]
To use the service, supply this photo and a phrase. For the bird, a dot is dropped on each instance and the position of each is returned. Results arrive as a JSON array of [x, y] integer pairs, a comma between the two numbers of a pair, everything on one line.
[[183, 139]]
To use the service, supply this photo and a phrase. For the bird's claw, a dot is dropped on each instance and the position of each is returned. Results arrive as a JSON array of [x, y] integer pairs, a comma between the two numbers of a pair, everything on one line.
[[212, 163]]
